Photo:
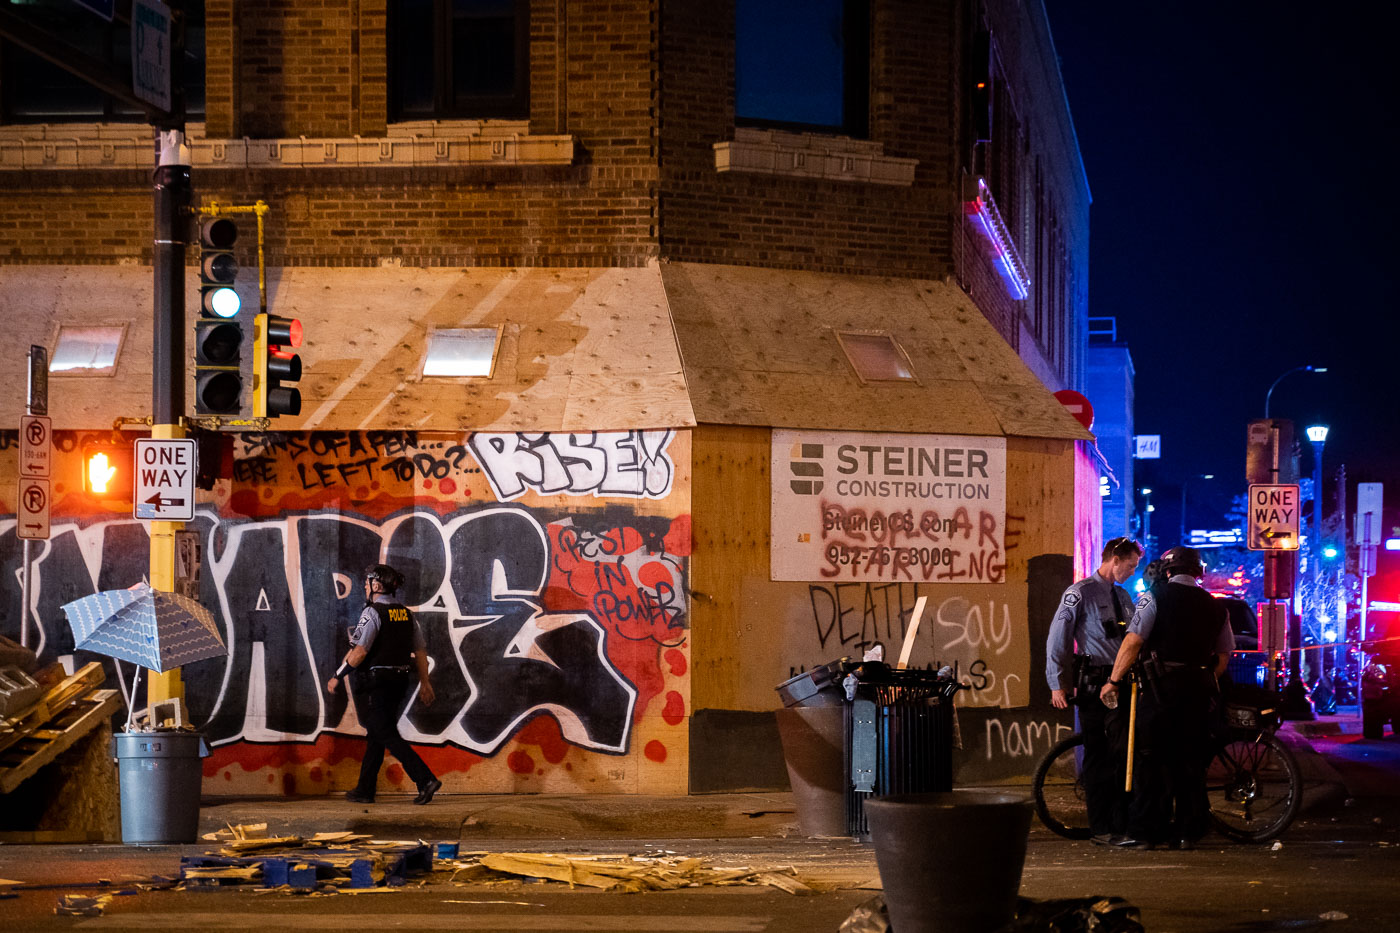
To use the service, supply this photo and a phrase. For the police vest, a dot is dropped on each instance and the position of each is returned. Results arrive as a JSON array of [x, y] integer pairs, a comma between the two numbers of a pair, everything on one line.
[[393, 646], [1187, 625]]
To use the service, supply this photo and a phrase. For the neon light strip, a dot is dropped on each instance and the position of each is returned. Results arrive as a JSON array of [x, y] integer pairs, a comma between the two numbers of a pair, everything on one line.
[[986, 219]]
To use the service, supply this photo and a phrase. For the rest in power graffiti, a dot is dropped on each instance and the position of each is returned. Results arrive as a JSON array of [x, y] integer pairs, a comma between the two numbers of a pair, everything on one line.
[[557, 628]]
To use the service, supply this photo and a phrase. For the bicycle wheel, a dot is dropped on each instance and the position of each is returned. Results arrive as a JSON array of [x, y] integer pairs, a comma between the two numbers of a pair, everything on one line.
[[1059, 789], [1254, 787]]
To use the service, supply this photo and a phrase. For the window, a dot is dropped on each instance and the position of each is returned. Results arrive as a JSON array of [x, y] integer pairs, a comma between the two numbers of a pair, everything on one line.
[[33, 90], [876, 356], [87, 351], [803, 64], [465, 59], [467, 351]]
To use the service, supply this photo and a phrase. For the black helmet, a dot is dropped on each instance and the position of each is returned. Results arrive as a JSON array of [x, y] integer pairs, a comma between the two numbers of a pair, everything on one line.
[[388, 578], [1183, 559]]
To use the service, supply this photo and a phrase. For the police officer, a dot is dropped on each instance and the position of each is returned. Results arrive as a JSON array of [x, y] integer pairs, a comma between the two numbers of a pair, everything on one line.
[[384, 646], [1093, 615], [1184, 638]]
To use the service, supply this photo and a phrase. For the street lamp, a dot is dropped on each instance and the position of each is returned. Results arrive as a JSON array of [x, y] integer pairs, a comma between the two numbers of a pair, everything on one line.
[[1147, 519], [1297, 369]]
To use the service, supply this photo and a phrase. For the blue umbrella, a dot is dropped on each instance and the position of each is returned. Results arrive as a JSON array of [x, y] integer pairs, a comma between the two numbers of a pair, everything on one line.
[[157, 630]]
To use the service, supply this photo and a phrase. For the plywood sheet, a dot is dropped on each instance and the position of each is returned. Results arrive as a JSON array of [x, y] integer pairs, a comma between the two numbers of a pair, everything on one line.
[[366, 334], [766, 341]]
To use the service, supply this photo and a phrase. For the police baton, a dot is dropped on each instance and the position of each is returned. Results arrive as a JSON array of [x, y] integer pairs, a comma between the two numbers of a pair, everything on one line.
[[1132, 735]]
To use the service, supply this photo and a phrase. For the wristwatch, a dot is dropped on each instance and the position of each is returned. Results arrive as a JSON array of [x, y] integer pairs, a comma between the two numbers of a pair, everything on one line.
[[1114, 682]]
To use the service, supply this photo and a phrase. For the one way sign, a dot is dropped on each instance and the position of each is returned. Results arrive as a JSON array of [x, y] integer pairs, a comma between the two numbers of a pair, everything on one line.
[[1273, 517], [165, 479]]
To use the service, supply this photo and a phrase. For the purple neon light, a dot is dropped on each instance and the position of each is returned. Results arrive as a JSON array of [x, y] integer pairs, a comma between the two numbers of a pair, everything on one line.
[[986, 220]]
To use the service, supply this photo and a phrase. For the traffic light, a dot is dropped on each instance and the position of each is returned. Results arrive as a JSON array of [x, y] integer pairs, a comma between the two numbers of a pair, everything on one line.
[[274, 363], [107, 471], [218, 335]]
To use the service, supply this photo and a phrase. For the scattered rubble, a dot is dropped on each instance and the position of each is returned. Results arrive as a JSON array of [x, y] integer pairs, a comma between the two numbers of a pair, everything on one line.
[[349, 863]]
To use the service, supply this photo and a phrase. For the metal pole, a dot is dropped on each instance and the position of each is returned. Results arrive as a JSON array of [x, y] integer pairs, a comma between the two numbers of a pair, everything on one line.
[[172, 210], [1367, 557]]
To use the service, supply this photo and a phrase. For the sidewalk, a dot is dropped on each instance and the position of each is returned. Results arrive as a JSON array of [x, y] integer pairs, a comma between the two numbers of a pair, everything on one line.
[[479, 820], [472, 818]]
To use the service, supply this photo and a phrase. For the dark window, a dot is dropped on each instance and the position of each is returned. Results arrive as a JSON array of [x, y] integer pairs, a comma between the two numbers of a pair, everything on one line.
[[459, 58], [33, 90], [802, 64]]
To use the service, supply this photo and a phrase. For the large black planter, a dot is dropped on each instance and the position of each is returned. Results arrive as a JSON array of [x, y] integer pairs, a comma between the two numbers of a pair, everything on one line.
[[951, 862]]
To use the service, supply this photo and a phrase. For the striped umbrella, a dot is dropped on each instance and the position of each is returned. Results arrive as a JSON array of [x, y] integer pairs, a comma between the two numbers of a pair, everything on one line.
[[160, 631]]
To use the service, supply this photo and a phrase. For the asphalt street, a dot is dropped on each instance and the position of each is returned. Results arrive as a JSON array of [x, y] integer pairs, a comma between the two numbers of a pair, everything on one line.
[[1333, 870]]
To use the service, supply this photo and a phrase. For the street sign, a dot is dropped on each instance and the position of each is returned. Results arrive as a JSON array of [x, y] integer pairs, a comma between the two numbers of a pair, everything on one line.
[[165, 479], [35, 446], [1273, 517], [32, 520], [1368, 502], [150, 52], [1078, 406], [1148, 446], [38, 381]]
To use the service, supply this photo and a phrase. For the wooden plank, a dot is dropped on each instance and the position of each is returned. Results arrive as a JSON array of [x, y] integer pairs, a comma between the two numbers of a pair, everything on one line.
[[53, 702], [100, 705]]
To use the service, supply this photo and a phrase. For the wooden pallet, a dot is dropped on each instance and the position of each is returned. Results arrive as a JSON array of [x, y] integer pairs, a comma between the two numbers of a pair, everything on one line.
[[25, 722], [39, 746]]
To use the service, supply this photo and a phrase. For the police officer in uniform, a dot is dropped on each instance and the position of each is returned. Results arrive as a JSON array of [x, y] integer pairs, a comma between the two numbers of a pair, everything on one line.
[[385, 646], [1092, 616], [1183, 636]]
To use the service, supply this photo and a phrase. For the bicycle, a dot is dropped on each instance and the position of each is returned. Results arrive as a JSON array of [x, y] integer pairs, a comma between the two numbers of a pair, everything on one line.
[[1253, 781]]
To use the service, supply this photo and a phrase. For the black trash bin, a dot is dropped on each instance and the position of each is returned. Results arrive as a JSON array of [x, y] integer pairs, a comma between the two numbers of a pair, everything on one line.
[[899, 727], [852, 730]]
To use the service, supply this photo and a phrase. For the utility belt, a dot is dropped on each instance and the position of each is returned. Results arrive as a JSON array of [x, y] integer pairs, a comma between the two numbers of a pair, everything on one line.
[[1088, 676], [382, 675], [1159, 674]]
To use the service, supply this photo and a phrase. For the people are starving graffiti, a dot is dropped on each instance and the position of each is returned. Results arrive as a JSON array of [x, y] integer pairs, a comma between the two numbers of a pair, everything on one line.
[[527, 610]]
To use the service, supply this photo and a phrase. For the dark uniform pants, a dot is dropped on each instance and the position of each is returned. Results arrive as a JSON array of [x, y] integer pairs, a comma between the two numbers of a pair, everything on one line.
[[1105, 766], [1169, 800], [380, 697]]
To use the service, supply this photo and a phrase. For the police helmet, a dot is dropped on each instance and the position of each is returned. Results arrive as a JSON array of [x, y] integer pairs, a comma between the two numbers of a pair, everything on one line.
[[1182, 559], [387, 577]]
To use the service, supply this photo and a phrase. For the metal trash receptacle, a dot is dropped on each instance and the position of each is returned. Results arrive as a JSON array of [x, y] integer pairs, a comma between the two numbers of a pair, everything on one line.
[[821, 686], [899, 728], [160, 775]]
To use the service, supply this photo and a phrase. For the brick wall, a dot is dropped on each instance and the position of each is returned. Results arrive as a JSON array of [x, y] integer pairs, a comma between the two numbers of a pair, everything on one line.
[[748, 219], [600, 211]]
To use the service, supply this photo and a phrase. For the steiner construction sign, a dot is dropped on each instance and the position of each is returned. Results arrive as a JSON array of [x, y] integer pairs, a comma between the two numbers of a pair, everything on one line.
[[917, 507]]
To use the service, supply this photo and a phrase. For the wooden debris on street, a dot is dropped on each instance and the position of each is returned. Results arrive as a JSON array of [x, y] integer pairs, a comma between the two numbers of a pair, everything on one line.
[[82, 905], [237, 831], [624, 874]]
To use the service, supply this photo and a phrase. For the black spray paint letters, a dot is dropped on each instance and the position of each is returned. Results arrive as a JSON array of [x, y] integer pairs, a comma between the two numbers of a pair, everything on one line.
[[474, 579], [626, 464]]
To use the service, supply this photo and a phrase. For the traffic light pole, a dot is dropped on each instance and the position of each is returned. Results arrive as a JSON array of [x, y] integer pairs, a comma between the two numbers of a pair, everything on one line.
[[172, 222]]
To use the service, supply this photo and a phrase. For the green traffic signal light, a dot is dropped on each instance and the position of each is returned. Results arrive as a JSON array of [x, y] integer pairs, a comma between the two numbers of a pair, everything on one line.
[[218, 336]]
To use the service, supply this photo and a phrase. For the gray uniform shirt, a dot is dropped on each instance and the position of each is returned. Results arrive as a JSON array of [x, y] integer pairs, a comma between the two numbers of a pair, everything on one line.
[[1079, 620], [366, 630], [1145, 616]]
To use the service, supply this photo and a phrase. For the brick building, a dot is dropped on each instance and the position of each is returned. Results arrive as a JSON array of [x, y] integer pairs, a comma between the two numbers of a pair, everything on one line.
[[703, 253]]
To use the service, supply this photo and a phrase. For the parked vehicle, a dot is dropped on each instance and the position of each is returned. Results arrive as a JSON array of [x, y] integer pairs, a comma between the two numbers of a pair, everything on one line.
[[1380, 690]]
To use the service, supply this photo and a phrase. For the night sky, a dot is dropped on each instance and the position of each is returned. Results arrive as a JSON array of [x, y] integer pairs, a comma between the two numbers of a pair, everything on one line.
[[1242, 158]]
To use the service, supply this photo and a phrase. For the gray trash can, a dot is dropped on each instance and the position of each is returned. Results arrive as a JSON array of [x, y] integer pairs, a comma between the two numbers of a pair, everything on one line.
[[160, 775]]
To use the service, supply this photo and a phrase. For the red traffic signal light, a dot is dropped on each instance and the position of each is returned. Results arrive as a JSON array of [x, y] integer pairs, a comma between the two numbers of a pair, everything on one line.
[[274, 364]]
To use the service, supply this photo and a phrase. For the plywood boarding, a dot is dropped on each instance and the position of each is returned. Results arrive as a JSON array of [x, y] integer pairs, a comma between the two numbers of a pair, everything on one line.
[[581, 348], [749, 633], [729, 502], [764, 342]]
